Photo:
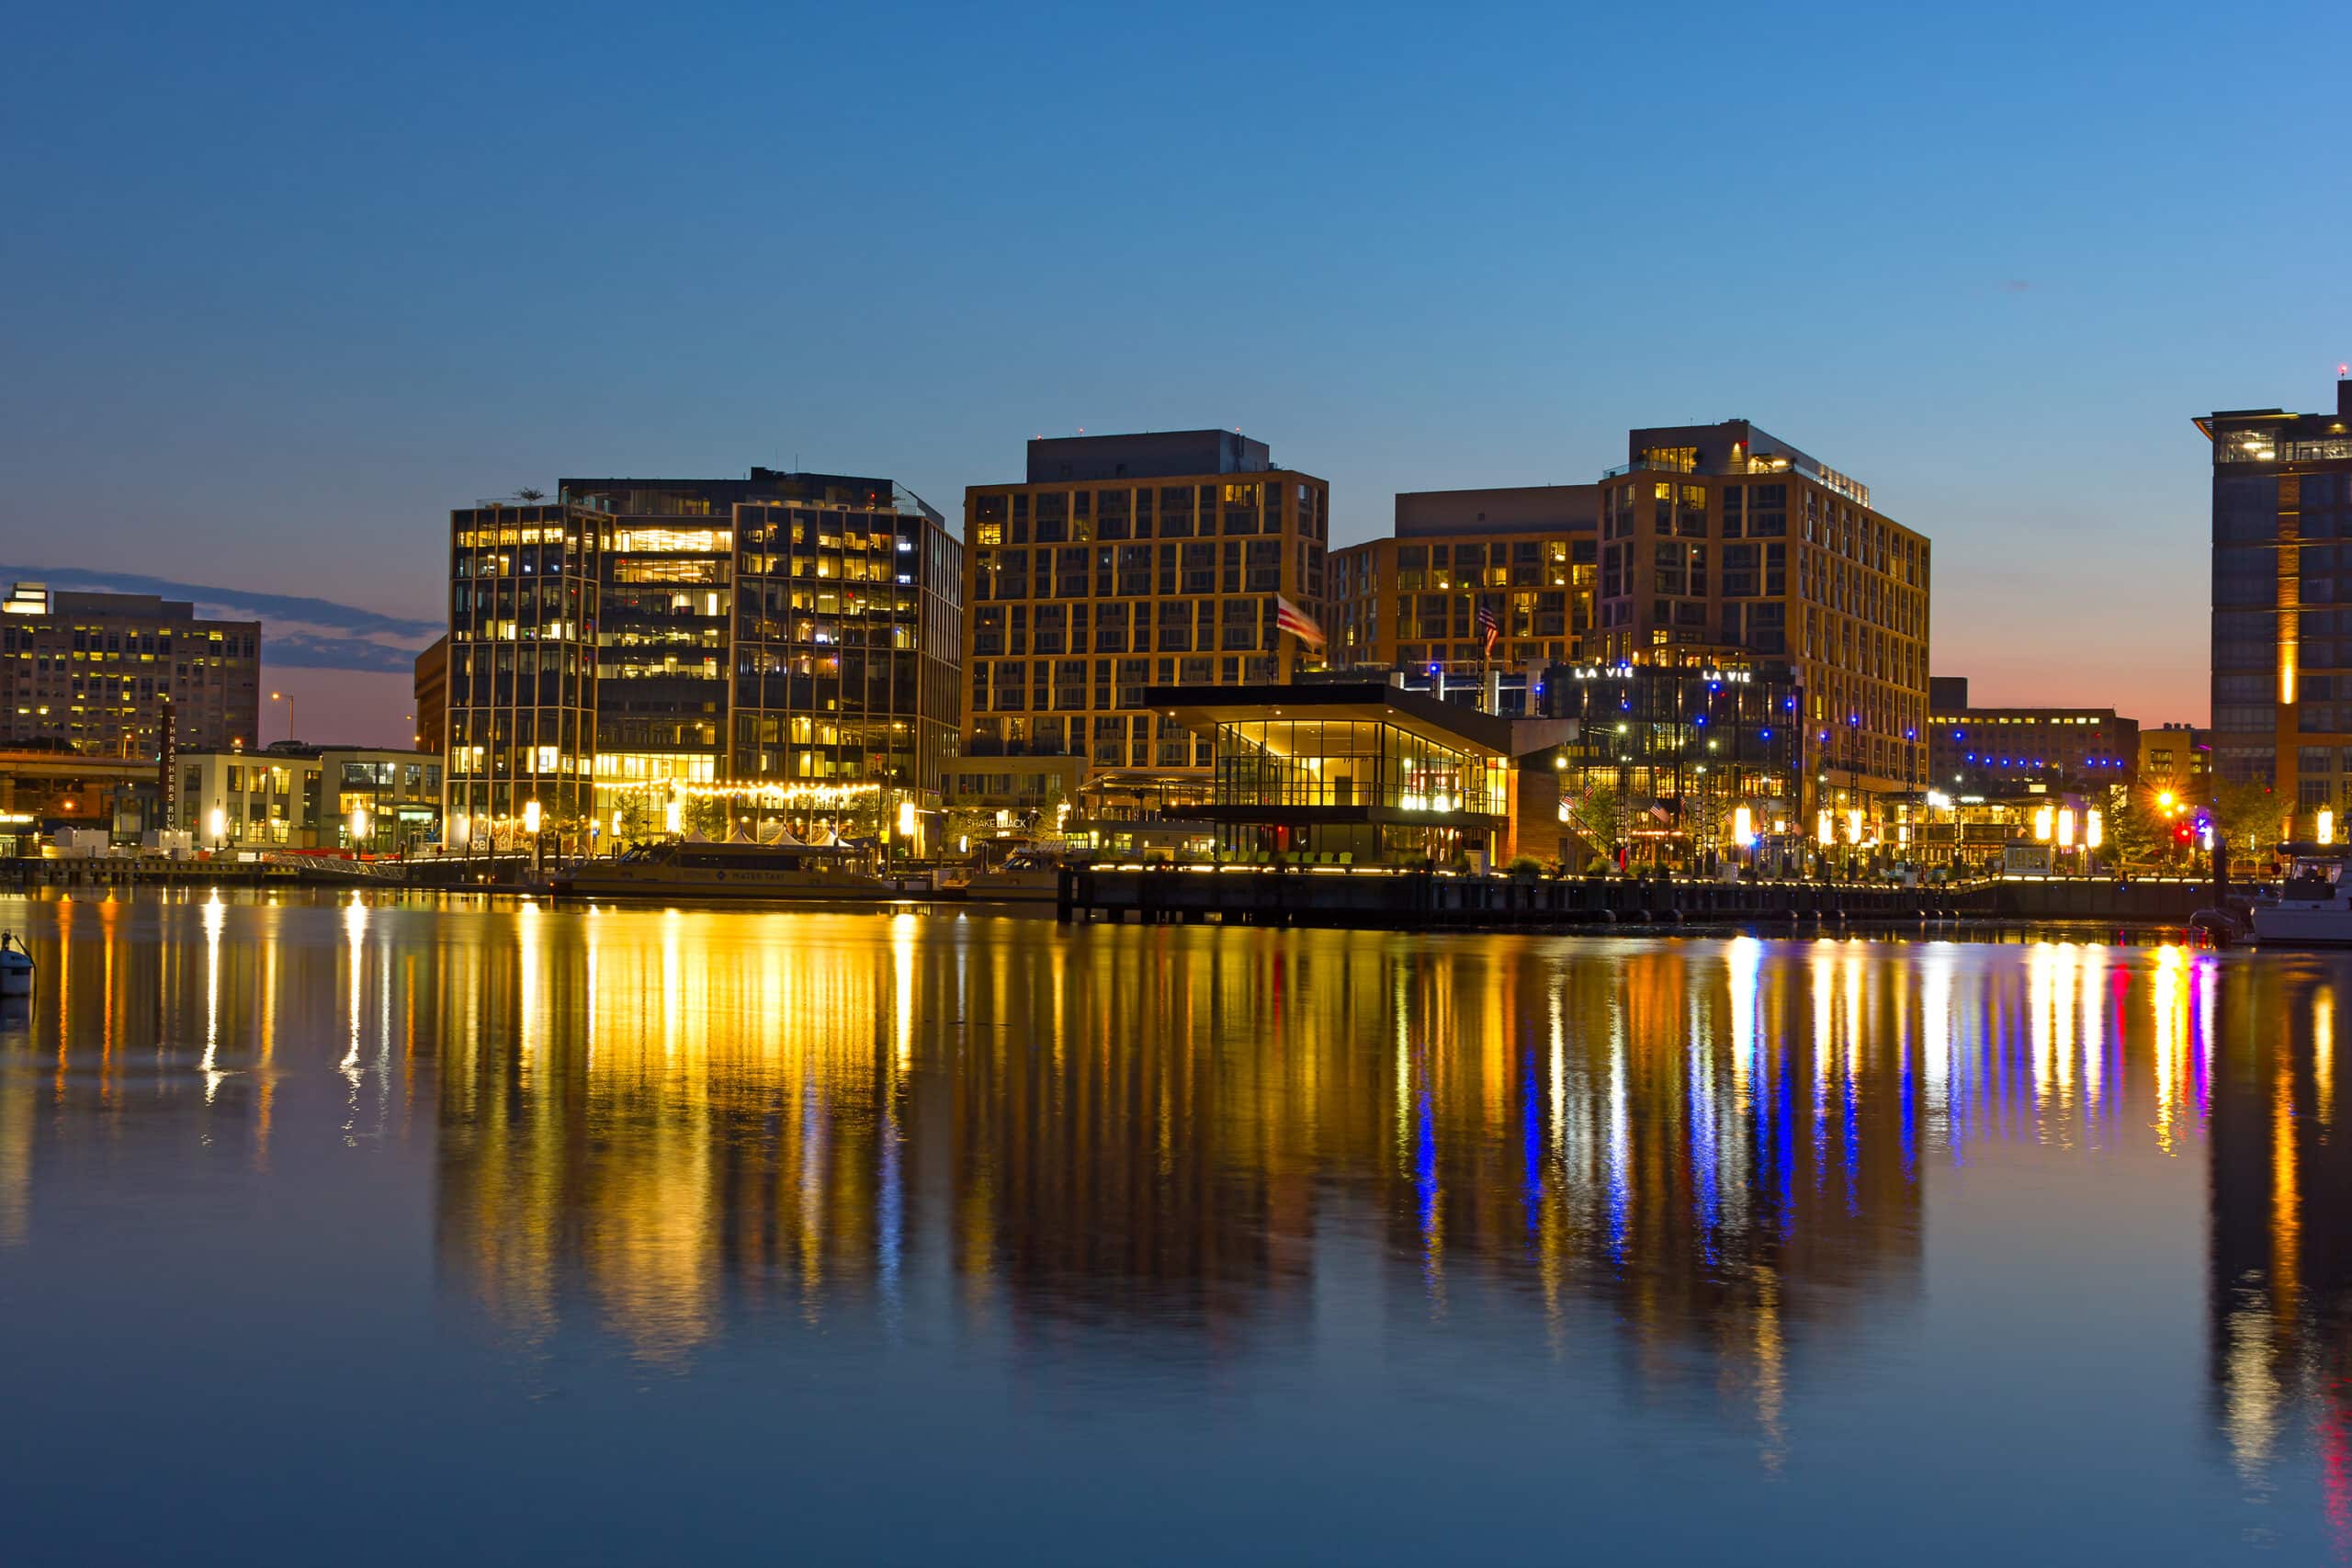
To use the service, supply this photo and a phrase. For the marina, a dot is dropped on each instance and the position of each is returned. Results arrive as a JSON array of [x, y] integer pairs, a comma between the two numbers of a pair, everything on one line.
[[751, 1214]]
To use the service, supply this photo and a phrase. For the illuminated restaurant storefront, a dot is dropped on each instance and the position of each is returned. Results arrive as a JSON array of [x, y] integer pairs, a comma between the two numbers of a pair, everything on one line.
[[1356, 773]]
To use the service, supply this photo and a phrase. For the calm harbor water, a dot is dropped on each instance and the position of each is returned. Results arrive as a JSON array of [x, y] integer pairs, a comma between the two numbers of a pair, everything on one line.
[[376, 1232]]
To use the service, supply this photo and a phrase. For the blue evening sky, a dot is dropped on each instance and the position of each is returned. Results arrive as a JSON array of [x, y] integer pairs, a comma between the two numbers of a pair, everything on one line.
[[281, 285]]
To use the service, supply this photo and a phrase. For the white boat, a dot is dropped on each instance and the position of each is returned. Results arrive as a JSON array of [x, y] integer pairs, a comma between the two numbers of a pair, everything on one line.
[[1022, 879], [16, 967], [738, 870], [2314, 904]]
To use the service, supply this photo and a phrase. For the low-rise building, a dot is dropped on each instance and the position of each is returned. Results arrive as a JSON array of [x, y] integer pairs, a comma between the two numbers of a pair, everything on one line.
[[1362, 772], [1989, 750], [367, 800], [2028, 830]]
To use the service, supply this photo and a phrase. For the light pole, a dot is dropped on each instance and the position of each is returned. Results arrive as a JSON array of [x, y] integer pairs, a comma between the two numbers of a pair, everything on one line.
[[282, 697]]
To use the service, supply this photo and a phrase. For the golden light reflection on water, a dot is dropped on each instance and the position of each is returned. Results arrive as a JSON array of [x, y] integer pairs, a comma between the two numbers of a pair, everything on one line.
[[1711, 1160]]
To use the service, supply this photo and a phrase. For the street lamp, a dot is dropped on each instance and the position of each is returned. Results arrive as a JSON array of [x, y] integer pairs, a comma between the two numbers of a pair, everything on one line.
[[359, 828], [282, 697]]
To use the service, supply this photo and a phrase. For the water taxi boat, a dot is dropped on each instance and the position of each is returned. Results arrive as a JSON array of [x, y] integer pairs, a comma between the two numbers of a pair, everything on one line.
[[2314, 904], [740, 869]]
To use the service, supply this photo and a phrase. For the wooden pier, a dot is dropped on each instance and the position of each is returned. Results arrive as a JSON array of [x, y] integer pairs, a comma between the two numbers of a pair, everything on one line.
[[1424, 901]]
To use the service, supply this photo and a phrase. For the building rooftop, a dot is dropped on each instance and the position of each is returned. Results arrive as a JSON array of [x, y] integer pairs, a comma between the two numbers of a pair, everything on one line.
[[626, 497], [1729, 446], [1509, 509], [2252, 434], [39, 599], [1150, 455]]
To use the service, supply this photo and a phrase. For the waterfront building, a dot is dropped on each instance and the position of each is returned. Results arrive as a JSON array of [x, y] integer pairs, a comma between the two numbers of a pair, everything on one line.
[[2281, 663], [1520, 562], [1341, 771], [1119, 563], [430, 688], [97, 671], [782, 642], [1690, 765], [522, 716], [1989, 749], [2030, 829], [1721, 545], [368, 800]]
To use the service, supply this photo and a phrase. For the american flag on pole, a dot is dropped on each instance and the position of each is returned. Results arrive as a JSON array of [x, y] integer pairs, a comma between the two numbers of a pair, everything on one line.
[[1289, 618], [1489, 628]]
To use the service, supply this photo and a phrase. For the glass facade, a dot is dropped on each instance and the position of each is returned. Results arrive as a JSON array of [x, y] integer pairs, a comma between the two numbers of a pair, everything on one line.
[[844, 621], [781, 631], [523, 609], [661, 647], [1665, 756], [1354, 762], [2281, 668]]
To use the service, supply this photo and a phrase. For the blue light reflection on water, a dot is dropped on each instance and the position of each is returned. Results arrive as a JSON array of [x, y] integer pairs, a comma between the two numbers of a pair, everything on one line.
[[721, 1226]]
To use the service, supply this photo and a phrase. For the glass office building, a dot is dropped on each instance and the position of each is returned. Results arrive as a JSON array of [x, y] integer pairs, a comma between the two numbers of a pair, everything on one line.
[[2282, 605], [843, 687], [521, 678], [1668, 757]]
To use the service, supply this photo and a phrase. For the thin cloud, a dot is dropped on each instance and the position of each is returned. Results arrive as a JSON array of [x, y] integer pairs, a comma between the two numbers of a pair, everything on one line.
[[297, 632]]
